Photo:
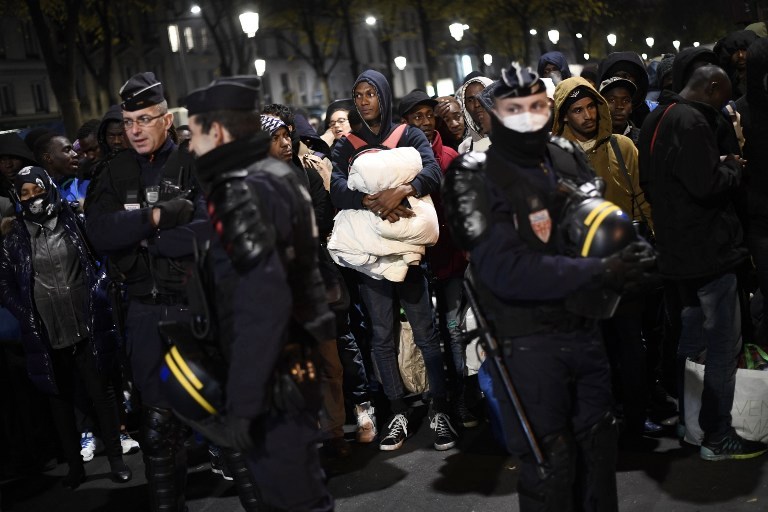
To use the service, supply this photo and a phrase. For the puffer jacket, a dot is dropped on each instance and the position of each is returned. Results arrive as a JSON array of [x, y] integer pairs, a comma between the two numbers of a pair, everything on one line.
[[17, 292]]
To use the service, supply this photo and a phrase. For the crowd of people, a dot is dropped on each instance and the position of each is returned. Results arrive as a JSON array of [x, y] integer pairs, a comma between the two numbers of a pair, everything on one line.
[[249, 281]]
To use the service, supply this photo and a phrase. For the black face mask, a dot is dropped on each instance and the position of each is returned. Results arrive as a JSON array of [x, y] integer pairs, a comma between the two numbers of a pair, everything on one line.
[[39, 208]]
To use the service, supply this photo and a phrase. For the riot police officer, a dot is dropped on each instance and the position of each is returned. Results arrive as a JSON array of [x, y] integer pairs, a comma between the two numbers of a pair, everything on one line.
[[269, 303], [139, 216], [505, 208]]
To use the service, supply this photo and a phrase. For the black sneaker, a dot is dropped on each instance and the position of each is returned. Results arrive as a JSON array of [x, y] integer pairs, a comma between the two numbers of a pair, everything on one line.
[[397, 431], [732, 446], [218, 464], [461, 413], [445, 435]]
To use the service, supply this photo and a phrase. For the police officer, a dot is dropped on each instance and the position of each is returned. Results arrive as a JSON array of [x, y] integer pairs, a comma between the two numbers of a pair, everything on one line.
[[523, 279], [139, 217], [270, 304]]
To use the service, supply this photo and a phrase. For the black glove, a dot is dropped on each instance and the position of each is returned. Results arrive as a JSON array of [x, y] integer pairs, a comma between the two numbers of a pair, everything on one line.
[[630, 268], [175, 213], [240, 438]]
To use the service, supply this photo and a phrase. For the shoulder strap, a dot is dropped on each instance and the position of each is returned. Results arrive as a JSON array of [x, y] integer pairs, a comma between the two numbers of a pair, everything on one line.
[[356, 141], [627, 177], [658, 125], [395, 136]]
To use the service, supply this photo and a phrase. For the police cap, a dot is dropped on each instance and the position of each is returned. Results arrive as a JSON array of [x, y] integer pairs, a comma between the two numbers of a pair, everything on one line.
[[142, 90], [226, 93]]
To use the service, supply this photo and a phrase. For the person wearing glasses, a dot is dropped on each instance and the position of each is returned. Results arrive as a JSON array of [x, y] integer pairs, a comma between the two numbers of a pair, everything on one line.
[[140, 216]]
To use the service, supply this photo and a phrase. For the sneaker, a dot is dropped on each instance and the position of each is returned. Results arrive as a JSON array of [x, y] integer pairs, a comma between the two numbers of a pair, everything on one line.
[[89, 446], [465, 418], [218, 465], [732, 446], [651, 428], [445, 435], [397, 431], [366, 426], [130, 445]]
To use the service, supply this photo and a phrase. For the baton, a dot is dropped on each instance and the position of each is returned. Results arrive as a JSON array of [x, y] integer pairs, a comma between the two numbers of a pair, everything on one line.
[[491, 347]]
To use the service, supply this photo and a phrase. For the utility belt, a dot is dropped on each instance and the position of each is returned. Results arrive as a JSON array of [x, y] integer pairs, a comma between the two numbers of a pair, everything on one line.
[[161, 298]]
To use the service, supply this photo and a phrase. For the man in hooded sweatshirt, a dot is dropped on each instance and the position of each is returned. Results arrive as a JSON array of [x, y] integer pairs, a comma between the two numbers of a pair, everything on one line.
[[629, 65], [583, 117], [554, 65], [475, 115], [373, 100]]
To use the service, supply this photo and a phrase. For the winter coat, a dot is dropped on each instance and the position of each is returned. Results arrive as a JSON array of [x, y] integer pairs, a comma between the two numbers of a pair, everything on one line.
[[698, 234], [17, 294], [602, 156]]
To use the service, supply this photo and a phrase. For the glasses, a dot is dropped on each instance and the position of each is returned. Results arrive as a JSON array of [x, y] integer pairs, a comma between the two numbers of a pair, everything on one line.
[[141, 121], [340, 121]]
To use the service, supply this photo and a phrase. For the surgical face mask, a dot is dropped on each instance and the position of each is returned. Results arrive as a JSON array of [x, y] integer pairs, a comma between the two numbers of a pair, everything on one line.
[[525, 122]]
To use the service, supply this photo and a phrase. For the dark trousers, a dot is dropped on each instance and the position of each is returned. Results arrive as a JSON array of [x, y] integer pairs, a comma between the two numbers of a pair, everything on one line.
[[563, 380], [286, 465], [70, 364], [146, 348]]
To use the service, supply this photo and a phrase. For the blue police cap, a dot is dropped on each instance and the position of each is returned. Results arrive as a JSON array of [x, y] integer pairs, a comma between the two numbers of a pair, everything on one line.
[[226, 93], [142, 90]]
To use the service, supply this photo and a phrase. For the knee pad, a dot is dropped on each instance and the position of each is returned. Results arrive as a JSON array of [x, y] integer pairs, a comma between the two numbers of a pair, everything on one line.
[[158, 431]]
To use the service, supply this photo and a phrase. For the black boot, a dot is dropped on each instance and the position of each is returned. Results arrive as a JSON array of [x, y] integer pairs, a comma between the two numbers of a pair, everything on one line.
[[75, 476], [118, 471], [246, 486], [159, 446]]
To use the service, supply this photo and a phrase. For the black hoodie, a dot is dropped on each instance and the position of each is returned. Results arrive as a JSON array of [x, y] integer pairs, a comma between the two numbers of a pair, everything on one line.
[[114, 113], [426, 182], [634, 64], [682, 68]]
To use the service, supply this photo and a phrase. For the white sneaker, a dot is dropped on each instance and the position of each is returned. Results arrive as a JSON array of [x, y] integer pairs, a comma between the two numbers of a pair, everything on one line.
[[366, 424], [89, 446], [130, 445]]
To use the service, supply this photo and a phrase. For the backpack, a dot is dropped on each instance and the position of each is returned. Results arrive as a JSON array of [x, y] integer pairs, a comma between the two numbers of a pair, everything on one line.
[[360, 146]]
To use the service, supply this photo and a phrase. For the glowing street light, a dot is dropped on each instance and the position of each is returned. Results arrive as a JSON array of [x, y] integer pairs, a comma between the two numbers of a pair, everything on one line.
[[649, 41], [553, 36], [488, 59], [676, 44], [611, 39], [400, 62], [261, 66], [457, 30], [586, 56], [370, 20], [195, 9], [695, 44], [250, 23], [644, 56], [533, 32], [578, 35]]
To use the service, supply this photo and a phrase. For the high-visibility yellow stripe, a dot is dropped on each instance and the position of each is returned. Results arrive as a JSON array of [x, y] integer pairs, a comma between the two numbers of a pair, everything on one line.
[[187, 386], [187, 371], [593, 229], [593, 213]]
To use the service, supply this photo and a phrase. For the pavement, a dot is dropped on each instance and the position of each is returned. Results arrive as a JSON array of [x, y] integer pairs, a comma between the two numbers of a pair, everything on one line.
[[474, 476]]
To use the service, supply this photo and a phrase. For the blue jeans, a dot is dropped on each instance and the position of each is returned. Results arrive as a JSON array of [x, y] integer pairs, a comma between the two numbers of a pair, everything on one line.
[[448, 293], [378, 297], [715, 326]]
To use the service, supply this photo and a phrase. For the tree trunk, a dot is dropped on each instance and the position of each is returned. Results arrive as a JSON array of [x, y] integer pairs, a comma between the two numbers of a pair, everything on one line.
[[426, 40], [354, 65]]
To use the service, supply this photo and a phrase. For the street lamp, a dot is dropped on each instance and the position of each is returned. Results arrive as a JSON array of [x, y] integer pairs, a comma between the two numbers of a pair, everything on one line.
[[370, 20], [261, 67], [649, 41], [250, 22], [488, 59], [533, 31], [586, 56], [644, 56], [457, 30], [611, 38], [195, 9], [676, 44], [400, 62], [578, 35], [553, 36], [695, 44]]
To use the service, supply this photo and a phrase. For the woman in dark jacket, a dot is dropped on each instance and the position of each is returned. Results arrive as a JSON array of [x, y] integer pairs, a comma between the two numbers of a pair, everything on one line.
[[50, 282]]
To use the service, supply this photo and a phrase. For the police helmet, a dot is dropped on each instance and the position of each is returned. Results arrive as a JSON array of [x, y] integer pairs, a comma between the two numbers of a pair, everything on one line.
[[192, 383], [594, 227]]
